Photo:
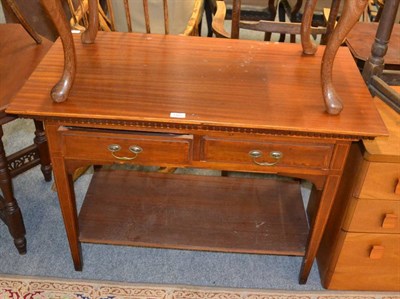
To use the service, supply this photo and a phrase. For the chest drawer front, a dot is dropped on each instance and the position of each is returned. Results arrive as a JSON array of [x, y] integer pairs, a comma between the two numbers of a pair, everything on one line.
[[373, 215], [261, 154], [368, 262], [379, 181], [146, 148]]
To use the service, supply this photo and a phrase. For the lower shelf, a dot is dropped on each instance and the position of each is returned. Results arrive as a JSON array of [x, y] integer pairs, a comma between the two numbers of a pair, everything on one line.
[[211, 213]]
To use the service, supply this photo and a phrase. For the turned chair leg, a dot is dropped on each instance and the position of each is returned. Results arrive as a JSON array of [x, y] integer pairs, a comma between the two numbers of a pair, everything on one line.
[[10, 211], [41, 142]]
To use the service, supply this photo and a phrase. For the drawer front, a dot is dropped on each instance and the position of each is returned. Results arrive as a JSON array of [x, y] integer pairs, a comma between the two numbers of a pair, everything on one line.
[[373, 215], [264, 154], [380, 181], [135, 147], [368, 262]]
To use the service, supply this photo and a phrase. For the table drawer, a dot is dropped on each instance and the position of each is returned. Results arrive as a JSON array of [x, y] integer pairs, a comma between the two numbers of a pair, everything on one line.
[[379, 181], [368, 262], [268, 153], [125, 147], [373, 215]]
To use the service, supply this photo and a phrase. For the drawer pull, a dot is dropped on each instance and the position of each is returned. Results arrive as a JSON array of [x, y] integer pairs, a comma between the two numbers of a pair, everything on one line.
[[113, 148], [376, 252], [390, 221], [397, 189], [255, 154]]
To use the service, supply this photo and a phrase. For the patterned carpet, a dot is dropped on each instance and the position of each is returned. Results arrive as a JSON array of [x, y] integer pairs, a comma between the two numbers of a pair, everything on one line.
[[14, 287]]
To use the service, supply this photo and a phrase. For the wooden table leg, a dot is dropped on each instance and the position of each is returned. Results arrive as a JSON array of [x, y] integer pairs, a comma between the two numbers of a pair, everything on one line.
[[66, 196], [10, 210], [320, 216], [317, 228], [41, 142]]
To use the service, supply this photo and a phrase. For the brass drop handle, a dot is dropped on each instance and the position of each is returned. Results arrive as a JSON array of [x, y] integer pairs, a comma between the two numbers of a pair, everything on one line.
[[113, 148], [255, 154]]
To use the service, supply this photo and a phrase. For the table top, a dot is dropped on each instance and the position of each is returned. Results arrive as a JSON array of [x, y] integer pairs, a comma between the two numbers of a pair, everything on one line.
[[362, 36], [202, 82], [19, 55]]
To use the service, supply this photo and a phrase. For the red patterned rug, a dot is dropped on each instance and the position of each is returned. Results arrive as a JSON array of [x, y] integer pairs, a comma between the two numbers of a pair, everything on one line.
[[21, 287]]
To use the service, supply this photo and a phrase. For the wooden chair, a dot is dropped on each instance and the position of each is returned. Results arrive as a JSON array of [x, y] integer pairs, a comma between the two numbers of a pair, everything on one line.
[[147, 16], [19, 56], [374, 71], [352, 10], [291, 9]]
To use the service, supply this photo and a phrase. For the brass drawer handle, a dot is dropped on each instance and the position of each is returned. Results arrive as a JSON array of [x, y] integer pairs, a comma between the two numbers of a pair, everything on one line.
[[113, 148], [255, 154]]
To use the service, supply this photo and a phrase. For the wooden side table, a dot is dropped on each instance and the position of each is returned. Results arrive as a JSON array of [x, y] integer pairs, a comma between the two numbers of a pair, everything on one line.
[[361, 246], [176, 101], [19, 55]]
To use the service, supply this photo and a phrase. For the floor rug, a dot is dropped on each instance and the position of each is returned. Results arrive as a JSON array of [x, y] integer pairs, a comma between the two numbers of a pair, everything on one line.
[[21, 287]]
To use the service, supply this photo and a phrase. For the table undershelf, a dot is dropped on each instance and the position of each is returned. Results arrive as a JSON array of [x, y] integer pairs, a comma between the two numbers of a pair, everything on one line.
[[213, 213]]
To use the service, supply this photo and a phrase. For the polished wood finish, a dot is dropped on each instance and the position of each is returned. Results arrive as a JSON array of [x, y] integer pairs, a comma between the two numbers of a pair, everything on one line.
[[361, 38], [373, 70], [61, 89], [235, 71], [215, 213], [19, 55], [351, 13], [151, 88], [360, 248]]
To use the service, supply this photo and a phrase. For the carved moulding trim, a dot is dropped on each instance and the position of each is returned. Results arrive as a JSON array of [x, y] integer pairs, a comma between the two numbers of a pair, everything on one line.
[[137, 124]]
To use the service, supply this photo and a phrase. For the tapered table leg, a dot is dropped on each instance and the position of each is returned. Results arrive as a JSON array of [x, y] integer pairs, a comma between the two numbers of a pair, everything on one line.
[[66, 196]]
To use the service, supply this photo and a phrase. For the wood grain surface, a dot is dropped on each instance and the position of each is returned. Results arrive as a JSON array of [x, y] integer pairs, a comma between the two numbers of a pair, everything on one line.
[[235, 83]]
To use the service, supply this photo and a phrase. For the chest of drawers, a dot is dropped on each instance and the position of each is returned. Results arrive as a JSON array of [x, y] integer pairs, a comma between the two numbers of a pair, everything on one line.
[[361, 247]]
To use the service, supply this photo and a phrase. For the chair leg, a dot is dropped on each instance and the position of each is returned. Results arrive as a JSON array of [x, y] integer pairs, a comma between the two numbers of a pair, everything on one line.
[[11, 212], [41, 142]]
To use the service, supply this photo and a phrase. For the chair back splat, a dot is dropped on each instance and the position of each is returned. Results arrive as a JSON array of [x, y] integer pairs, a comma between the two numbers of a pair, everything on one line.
[[146, 16]]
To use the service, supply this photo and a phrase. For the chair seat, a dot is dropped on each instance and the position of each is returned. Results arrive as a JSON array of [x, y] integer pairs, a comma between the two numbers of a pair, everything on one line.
[[19, 55]]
